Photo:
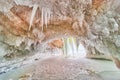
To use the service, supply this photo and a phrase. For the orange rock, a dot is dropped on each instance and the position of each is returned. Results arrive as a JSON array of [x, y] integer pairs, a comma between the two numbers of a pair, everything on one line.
[[56, 44], [97, 3]]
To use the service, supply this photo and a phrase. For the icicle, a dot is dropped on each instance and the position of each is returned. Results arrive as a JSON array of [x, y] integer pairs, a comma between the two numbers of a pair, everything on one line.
[[33, 15], [64, 47], [46, 18], [69, 47], [16, 1], [49, 15], [74, 46], [42, 18]]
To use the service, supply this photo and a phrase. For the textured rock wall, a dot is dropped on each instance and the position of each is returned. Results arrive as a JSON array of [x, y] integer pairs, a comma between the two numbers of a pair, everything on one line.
[[94, 22]]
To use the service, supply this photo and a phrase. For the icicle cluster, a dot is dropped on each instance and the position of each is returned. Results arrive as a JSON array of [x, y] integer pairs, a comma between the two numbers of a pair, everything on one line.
[[70, 46], [34, 10], [71, 49], [45, 16]]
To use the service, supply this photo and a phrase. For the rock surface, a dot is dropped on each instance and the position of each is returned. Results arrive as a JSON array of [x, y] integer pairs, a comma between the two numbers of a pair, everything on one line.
[[95, 22]]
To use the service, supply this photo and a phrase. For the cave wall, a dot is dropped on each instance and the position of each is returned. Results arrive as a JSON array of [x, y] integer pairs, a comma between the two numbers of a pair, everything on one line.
[[94, 22]]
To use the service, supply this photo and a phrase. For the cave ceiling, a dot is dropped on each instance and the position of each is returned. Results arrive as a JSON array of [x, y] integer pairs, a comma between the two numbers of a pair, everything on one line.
[[95, 22]]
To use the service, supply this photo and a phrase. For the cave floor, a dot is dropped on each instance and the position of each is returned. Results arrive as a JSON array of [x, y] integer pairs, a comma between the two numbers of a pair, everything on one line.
[[59, 68]]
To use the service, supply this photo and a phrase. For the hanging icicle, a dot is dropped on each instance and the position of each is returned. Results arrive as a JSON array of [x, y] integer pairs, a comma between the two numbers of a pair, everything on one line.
[[34, 10], [69, 47], [45, 17], [42, 17], [74, 46], [64, 47], [49, 15]]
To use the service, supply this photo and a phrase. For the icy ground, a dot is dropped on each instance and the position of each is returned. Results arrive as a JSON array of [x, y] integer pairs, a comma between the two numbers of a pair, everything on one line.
[[59, 68]]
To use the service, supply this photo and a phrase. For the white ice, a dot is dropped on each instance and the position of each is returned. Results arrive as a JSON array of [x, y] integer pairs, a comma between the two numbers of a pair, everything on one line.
[[34, 10]]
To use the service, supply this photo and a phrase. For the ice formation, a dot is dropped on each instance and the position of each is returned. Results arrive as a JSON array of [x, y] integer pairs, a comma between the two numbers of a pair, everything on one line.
[[34, 10], [45, 16]]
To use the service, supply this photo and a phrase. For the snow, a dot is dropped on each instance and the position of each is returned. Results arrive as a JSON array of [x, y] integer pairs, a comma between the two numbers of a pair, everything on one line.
[[50, 67], [81, 51]]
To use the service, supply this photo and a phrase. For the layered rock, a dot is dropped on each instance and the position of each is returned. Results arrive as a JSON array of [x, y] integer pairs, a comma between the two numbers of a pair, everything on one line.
[[94, 22]]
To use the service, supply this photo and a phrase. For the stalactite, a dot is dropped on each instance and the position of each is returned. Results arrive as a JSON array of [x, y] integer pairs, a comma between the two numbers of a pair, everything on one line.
[[34, 10]]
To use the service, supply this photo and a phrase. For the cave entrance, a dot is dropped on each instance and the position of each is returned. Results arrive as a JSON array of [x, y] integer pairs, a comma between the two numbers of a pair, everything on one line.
[[73, 48], [68, 47]]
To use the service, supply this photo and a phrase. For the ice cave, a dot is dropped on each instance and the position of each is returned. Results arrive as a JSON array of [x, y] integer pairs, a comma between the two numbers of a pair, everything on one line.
[[59, 39]]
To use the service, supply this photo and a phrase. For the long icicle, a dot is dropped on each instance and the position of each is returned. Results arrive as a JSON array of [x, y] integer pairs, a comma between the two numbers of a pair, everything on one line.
[[34, 10], [49, 15], [42, 18], [69, 47], [46, 17], [74, 46], [64, 47]]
